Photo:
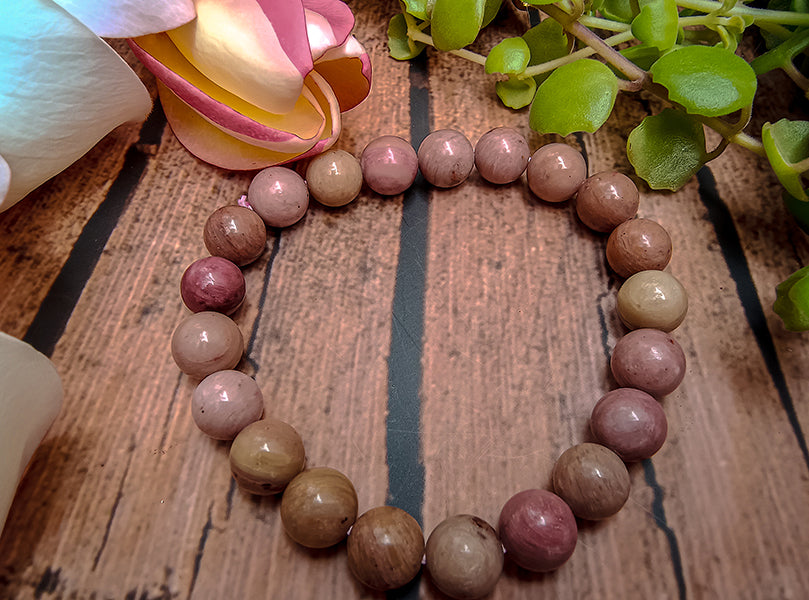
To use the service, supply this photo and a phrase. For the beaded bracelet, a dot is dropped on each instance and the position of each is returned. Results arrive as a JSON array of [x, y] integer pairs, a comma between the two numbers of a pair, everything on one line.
[[464, 554]]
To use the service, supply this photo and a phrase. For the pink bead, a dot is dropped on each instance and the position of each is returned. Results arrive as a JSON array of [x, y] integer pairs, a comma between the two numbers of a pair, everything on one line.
[[649, 360], [279, 196], [389, 165], [555, 172], [212, 283], [629, 422], [226, 402], [446, 158], [538, 530], [501, 155]]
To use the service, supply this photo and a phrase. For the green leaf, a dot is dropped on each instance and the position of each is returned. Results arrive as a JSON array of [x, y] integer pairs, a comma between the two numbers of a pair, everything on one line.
[[667, 149], [516, 93], [617, 10], [417, 8], [578, 96], [642, 55], [490, 11], [706, 80], [787, 145], [539, 2], [546, 41], [799, 210], [401, 47], [456, 23], [509, 57], [792, 300], [657, 23]]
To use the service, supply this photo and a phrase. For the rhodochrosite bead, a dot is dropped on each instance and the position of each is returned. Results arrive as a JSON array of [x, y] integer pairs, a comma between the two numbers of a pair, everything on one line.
[[653, 299], [318, 508], [592, 479], [385, 548], [212, 283], [555, 172], [265, 456], [629, 422], [538, 530], [464, 557], [206, 342], [226, 402], [279, 196], [235, 233], [606, 200], [501, 155], [389, 165], [649, 360], [334, 178], [638, 245], [446, 158]]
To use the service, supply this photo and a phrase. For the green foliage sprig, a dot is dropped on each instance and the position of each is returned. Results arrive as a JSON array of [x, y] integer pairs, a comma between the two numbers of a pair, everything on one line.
[[571, 66]]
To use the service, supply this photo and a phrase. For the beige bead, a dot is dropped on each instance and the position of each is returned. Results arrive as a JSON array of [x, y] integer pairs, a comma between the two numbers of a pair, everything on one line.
[[334, 178], [265, 456], [653, 299], [206, 342], [592, 479]]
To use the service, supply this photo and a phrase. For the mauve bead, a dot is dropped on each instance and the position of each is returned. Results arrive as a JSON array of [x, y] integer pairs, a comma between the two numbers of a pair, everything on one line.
[[235, 233], [501, 155], [629, 422], [279, 196], [538, 530], [649, 360], [464, 557], [334, 178], [555, 172], [265, 456], [446, 158], [226, 402], [592, 479], [606, 200], [389, 165], [206, 342], [212, 283], [385, 548], [653, 299], [638, 245]]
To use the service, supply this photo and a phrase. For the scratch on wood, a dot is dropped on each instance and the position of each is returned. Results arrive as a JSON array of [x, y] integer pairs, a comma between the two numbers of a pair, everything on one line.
[[118, 496], [203, 539], [276, 247], [47, 583]]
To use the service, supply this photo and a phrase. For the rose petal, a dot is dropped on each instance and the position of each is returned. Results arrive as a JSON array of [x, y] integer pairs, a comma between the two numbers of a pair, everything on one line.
[[234, 44], [347, 69], [289, 23], [338, 14], [5, 177], [61, 90], [320, 34], [129, 18]]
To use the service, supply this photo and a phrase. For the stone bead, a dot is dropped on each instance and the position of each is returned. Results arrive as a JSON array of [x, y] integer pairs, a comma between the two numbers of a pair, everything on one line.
[[606, 200], [226, 402], [389, 165], [653, 299], [334, 178], [279, 196], [638, 245], [538, 530], [464, 557], [318, 508], [385, 548], [266, 456], [629, 422], [592, 479], [501, 155], [206, 342], [212, 283], [446, 158], [555, 172], [648, 360], [235, 233]]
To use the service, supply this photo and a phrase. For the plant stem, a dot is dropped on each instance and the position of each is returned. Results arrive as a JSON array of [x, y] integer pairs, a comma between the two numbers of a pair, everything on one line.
[[583, 53], [418, 36], [605, 24], [795, 75], [759, 14]]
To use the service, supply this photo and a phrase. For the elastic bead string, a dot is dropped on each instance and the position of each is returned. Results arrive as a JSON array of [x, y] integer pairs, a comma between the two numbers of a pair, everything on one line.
[[464, 554]]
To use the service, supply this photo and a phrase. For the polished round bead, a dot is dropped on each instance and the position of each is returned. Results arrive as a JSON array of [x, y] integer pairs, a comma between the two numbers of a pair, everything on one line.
[[206, 342], [389, 165], [226, 402], [385, 548], [555, 172], [318, 508], [235, 233], [649, 360], [592, 479], [501, 155], [638, 245], [464, 557], [279, 196], [629, 422], [446, 158], [212, 283], [606, 200], [334, 178], [653, 299], [265, 456], [538, 530]]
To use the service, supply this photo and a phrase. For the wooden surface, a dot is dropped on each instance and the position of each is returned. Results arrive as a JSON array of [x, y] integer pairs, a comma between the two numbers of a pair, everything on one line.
[[452, 390]]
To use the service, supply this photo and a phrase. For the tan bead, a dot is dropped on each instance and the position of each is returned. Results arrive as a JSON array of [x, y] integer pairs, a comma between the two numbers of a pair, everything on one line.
[[555, 172], [265, 456], [318, 508], [334, 178], [464, 557], [235, 233], [206, 342], [652, 299], [606, 200], [592, 479], [385, 548], [638, 245]]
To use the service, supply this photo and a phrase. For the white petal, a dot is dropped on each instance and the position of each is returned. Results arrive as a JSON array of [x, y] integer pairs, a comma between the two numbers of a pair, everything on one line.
[[129, 18]]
